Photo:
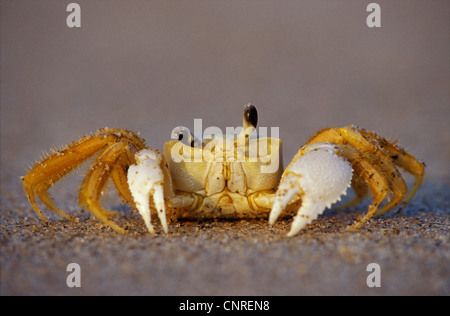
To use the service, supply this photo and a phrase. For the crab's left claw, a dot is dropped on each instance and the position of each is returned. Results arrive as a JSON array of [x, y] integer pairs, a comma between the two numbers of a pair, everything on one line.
[[145, 179], [318, 176]]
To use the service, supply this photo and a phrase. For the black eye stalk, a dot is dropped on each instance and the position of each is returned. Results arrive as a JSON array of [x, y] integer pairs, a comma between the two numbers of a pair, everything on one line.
[[250, 121], [250, 116]]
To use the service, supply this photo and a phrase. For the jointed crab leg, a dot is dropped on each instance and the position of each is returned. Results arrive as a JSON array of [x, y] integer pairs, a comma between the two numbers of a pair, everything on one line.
[[95, 180], [361, 189], [384, 153], [378, 184], [47, 172], [402, 159], [374, 161], [119, 176]]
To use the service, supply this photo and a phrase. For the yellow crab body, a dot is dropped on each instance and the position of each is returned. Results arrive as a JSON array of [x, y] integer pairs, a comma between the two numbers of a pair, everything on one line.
[[223, 178]]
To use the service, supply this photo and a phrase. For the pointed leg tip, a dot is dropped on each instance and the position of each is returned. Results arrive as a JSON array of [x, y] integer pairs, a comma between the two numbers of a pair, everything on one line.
[[114, 226], [118, 229], [43, 219], [353, 228], [72, 218]]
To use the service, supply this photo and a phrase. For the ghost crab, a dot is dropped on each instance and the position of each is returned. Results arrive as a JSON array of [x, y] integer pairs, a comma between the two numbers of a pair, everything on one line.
[[225, 177]]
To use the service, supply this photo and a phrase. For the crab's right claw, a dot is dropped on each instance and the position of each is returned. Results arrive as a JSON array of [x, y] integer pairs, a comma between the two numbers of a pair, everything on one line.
[[318, 177], [145, 179]]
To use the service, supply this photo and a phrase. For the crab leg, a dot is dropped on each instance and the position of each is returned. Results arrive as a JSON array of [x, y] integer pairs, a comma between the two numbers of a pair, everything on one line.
[[145, 179], [381, 152], [119, 176], [92, 187], [46, 173], [402, 159], [318, 177]]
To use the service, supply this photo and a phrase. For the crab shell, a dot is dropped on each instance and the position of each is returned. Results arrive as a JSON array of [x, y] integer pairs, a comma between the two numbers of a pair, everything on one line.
[[224, 172]]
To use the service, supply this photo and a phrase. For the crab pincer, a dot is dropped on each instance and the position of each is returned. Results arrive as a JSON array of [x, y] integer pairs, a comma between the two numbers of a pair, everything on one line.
[[319, 177], [145, 179]]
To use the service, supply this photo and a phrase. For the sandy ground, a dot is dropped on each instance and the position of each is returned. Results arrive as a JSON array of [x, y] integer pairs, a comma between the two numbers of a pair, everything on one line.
[[243, 257], [155, 65]]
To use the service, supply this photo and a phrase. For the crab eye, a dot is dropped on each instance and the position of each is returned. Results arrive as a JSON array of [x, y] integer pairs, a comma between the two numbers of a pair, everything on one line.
[[181, 133], [184, 135], [251, 115]]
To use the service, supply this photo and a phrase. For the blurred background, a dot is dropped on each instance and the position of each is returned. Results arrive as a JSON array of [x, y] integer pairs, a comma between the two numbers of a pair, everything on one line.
[[152, 65]]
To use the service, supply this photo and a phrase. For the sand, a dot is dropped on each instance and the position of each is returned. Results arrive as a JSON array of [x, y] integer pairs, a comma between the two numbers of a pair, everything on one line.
[[242, 257]]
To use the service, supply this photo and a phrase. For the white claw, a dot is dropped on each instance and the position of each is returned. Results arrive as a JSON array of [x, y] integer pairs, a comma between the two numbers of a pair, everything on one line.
[[287, 189], [308, 212], [158, 198], [320, 177], [146, 179]]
